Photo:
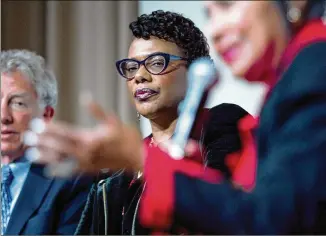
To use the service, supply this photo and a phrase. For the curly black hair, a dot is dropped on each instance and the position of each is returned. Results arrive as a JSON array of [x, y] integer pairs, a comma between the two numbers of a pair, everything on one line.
[[175, 28]]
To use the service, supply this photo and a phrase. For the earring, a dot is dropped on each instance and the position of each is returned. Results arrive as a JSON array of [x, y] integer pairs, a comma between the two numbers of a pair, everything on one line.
[[138, 116], [294, 14], [323, 18]]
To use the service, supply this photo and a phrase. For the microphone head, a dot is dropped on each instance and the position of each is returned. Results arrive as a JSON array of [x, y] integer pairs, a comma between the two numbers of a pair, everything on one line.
[[202, 69], [201, 76]]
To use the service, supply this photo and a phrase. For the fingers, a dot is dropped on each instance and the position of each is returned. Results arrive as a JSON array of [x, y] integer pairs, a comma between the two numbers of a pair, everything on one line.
[[56, 154], [92, 149], [52, 142], [97, 111], [63, 169], [66, 146], [57, 129], [43, 156], [92, 107]]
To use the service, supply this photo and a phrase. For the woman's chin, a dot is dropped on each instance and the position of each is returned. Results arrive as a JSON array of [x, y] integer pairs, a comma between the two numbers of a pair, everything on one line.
[[153, 114], [147, 114], [148, 110], [239, 72], [241, 67]]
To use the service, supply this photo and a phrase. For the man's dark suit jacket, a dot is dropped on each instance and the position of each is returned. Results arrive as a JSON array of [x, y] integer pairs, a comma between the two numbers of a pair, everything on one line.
[[48, 205]]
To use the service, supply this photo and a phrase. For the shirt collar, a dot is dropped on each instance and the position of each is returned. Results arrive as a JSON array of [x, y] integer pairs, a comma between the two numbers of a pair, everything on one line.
[[20, 166]]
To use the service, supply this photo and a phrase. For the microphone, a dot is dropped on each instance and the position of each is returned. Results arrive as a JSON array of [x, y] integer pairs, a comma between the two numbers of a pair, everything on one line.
[[202, 76]]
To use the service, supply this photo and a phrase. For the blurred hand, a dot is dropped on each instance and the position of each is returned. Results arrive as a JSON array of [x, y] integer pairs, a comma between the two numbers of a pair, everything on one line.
[[110, 144]]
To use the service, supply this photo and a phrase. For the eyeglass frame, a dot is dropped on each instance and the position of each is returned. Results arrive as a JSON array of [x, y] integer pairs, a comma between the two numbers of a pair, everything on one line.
[[168, 57]]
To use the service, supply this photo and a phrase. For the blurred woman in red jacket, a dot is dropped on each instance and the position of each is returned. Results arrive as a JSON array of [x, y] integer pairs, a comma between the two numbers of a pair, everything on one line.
[[282, 170]]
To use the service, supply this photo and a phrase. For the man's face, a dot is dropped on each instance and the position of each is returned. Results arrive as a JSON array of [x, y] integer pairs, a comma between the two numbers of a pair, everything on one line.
[[19, 104]]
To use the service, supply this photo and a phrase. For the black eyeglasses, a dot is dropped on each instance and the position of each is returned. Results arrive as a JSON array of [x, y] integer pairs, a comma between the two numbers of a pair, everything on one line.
[[155, 64]]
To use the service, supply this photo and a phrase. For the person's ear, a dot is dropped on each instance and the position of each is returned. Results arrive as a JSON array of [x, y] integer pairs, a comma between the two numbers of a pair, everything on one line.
[[48, 113]]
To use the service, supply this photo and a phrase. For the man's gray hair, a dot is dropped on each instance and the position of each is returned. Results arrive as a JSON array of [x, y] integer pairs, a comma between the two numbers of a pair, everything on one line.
[[34, 68]]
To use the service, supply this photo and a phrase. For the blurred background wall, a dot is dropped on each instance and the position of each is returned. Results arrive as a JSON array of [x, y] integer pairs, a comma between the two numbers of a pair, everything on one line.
[[81, 40]]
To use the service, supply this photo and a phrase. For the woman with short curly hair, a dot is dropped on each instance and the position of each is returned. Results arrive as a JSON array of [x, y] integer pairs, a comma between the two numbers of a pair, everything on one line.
[[164, 44], [174, 28]]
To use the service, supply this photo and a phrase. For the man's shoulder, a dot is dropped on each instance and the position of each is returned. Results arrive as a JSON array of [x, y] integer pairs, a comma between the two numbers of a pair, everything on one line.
[[41, 171], [75, 181]]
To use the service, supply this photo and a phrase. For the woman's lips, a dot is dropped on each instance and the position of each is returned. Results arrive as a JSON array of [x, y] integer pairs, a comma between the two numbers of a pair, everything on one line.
[[144, 94], [230, 55]]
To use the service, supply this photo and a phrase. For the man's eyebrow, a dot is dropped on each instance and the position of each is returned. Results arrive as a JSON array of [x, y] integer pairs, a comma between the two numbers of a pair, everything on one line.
[[19, 95]]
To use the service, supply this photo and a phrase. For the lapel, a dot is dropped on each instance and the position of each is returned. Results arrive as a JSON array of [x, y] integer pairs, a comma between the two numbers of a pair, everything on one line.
[[30, 198], [312, 32]]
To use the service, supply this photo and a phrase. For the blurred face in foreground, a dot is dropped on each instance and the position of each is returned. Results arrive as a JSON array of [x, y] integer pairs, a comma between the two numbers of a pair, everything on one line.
[[244, 31]]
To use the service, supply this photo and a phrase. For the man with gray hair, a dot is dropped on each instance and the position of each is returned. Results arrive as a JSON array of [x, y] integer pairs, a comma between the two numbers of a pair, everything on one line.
[[32, 203]]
